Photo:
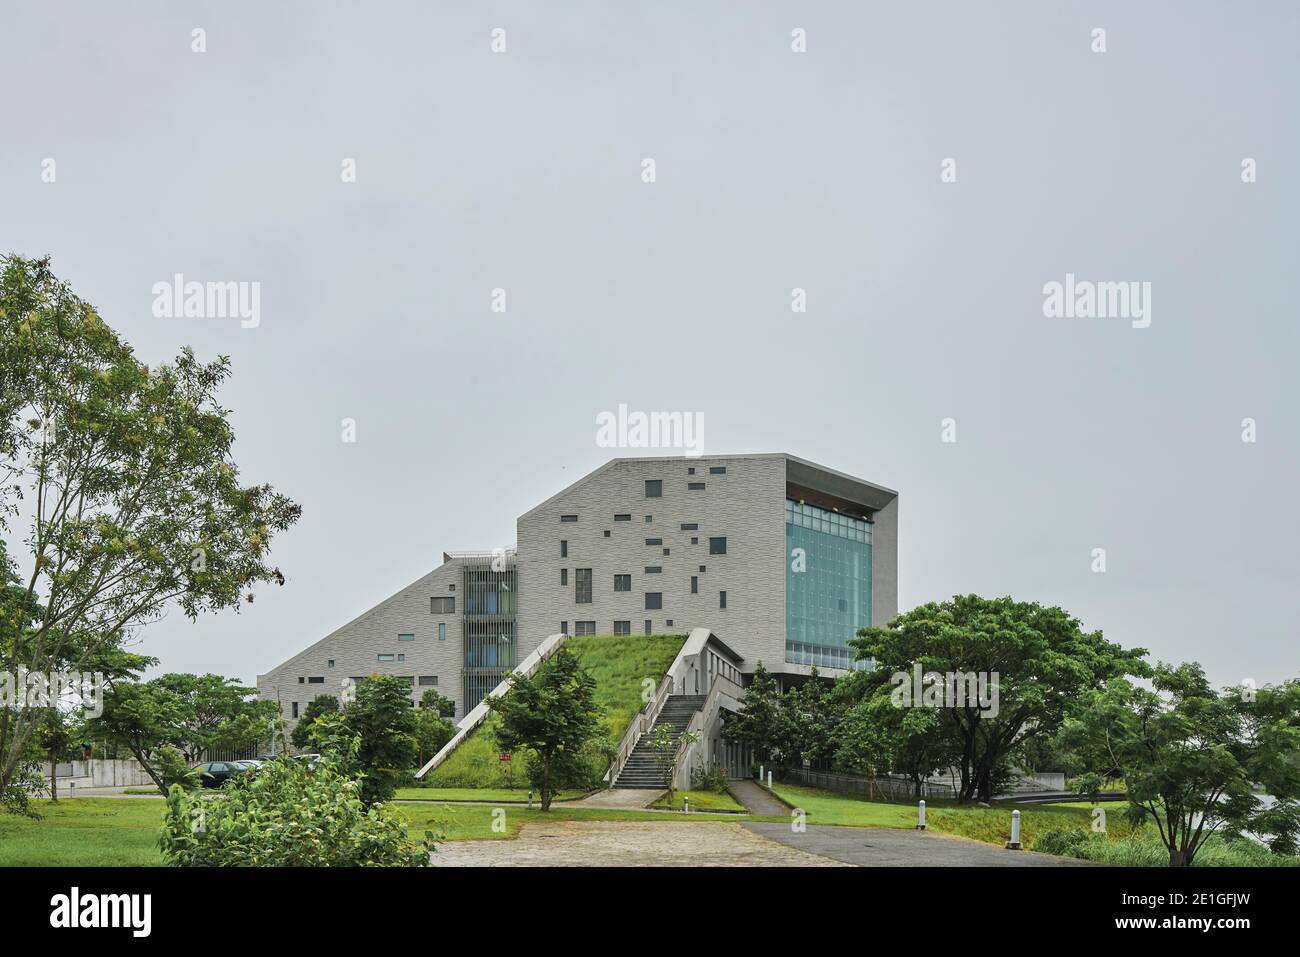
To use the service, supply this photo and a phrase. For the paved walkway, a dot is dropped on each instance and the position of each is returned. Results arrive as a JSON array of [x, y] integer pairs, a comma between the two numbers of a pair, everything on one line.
[[758, 799], [628, 844], [892, 847], [633, 799]]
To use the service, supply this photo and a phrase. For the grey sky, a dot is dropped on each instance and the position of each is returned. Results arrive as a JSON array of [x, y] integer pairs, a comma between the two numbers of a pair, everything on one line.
[[775, 170]]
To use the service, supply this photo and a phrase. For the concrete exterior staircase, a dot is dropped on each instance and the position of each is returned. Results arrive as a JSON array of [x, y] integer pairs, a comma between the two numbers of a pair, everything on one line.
[[643, 769]]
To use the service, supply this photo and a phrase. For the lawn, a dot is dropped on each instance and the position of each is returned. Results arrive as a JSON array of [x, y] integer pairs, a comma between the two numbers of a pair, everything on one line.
[[103, 832], [619, 663], [502, 795], [701, 801]]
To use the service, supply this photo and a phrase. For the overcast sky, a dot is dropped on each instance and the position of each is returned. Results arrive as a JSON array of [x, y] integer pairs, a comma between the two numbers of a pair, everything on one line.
[[774, 170]]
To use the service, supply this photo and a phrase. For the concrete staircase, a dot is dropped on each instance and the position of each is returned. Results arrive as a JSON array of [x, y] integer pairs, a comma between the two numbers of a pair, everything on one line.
[[643, 769]]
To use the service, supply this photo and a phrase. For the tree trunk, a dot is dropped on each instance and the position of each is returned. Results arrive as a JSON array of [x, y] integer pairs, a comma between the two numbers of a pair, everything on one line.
[[54, 780], [546, 784]]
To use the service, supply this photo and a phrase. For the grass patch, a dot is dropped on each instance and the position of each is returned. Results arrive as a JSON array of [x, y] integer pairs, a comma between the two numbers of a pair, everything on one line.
[[473, 822], [84, 832], [504, 795], [619, 663], [701, 801]]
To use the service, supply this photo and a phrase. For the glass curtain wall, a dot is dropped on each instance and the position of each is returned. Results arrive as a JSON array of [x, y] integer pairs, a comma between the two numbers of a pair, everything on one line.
[[827, 585]]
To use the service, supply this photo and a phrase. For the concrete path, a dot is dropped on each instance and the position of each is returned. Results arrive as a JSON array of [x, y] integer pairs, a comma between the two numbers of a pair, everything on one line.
[[628, 844], [627, 799], [890, 847], [758, 799]]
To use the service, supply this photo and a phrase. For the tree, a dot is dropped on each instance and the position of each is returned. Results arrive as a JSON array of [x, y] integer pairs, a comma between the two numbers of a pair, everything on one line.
[[1038, 661], [810, 717], [554, 714], [126, 474], [56, 735], [288, 815], [317, 706], [142, 717], [383, 723], [439, 704], [758, 725], [667, 744], [432, 731], [216, 713], [1190, 754]]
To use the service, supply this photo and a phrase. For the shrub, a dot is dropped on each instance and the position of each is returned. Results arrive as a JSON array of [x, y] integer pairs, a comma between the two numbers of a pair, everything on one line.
[[288, 814], [709, 779], [1062, 841], [171, 768]]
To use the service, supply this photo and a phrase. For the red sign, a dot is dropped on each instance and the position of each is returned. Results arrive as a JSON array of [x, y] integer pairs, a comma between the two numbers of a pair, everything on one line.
[[505, 755]]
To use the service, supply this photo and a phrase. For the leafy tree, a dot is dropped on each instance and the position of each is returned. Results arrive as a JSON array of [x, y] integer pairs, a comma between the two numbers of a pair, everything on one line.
[[554, 714], [216, 713], [759, 724], [288, 815], [438, 703], [432, 732], [383, 723], [1189, 755], [810, 716], [57, 734], [126, 474], [317, 706], [1043, 660], [141, 717], [667, 745]]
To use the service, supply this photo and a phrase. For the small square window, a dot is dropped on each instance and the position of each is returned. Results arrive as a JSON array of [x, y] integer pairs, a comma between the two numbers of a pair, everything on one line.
[[622, 627], [649, 518], [669, 623], [690, 471], [330, 663], [717, 546], [654, 488], [694, 540], [301, 680], [666, 551], [607, 533], [704, 568], [401, 657], [622, 583], [654, 600]]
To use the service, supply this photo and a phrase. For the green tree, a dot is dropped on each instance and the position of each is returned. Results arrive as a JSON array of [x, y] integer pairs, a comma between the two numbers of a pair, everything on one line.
[[432, 731], [1043, 660], [317, 706], [667, 744], [1189, 755], [759, 724], [143, 718], [811, 715], [216, 713], [438, 703], [288, 815], [127, 472], [552, 713], [383, 723]]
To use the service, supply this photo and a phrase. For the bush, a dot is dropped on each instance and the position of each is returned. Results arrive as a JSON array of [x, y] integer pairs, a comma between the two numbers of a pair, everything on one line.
[[288, 814], [171, 768], [1062, 841], [709, 779]]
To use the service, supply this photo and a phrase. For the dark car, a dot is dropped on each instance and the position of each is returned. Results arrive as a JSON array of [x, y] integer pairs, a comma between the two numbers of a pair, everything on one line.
[[213, 774]]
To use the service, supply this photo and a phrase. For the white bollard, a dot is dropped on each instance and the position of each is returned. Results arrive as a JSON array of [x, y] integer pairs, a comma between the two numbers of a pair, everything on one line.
[[1014, 843], [686, 804], [760, 774], [769, 780], [920, 818]]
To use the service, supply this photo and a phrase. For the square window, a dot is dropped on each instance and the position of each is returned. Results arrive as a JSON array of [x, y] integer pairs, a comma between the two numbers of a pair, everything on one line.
[[401, 657], [654, 600], [301, 680], [330, 663], [717, 546], [584, 627], [665, 551], [654, 488], [442, 606], [607, 533], [622, 627], [704, 568], [669, 623], [622, 583], [690, 471], [694, 540], [649, 518]]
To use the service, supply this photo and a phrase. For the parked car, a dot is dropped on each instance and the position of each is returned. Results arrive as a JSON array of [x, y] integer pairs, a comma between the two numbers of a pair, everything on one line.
[[213, 774], [248, 764]]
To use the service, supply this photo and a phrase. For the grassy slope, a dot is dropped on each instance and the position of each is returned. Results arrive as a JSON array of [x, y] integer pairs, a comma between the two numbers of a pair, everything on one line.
[[619, 665], [503, 795]]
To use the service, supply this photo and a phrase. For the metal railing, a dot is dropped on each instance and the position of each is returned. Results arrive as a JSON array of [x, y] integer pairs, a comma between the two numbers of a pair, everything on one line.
[[641, 722], [878, 788]]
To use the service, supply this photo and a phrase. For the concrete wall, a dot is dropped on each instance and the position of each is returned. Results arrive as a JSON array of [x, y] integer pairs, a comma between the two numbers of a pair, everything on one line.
[[99, 773], [746, 506], [355, 647], [884, 565]]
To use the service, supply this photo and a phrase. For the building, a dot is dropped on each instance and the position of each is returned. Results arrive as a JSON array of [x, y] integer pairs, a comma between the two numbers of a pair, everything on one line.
[[780, 558]]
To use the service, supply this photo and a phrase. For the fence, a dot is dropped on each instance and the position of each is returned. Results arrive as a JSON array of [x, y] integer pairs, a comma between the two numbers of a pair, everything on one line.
[[880, 788]]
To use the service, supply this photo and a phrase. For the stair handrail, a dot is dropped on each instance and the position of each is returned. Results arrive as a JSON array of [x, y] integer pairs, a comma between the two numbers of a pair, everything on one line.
[[641, 722], [701, 719]]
